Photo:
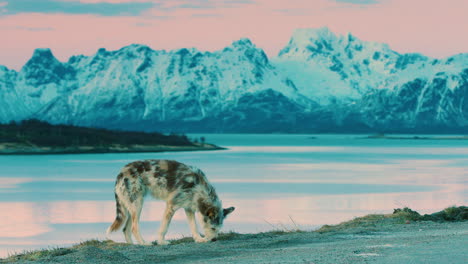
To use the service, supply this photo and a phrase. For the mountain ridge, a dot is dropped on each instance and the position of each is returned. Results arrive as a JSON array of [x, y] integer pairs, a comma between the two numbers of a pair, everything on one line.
[[320, 82]]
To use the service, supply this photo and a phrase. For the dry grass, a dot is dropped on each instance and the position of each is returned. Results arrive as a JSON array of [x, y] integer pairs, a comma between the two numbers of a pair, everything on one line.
[[42, 254], [450, 214], [367, 223], [281, 228], [102, 244], [32, 255], [399, 216]]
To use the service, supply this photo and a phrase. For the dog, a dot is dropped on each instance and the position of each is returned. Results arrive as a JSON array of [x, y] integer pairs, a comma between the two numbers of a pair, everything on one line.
[[180, 185]]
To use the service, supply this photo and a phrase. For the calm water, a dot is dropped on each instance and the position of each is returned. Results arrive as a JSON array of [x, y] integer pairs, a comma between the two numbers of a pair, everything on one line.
[[58, 200]]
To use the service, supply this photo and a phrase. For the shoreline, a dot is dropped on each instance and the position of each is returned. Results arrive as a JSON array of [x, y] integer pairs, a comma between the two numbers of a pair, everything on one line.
[[415, 137], [401, 237], [31, 150]]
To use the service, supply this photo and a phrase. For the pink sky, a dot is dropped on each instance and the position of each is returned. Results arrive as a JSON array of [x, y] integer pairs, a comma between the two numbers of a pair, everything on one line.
[[433, 27]]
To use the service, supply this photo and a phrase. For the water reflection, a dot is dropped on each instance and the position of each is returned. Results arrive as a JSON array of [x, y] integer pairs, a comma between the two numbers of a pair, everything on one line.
[[23, 220], [33, 219]]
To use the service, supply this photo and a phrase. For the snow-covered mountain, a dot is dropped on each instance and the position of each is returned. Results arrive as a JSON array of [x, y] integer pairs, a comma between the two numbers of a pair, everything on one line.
[[377, 87], [318, 82]]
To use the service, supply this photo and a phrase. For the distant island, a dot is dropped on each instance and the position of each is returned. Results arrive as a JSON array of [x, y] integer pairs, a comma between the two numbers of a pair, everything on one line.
[[38, 137], [383, 136]]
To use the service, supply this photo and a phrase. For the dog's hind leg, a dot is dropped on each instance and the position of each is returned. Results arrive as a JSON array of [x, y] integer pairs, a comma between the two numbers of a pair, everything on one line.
[[166, 220], [135, 212], [193, 226], [127, 230]]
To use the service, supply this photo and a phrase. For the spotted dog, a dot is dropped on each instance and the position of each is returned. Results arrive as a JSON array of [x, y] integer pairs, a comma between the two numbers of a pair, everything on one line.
[[180, 185]]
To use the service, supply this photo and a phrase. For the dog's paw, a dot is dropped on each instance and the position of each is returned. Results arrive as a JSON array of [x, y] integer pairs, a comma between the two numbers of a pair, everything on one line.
[[200, 239], [163, 242]]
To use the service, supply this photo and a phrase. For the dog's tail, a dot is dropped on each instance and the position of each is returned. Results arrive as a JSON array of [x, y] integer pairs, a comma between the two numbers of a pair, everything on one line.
[[120, 217]]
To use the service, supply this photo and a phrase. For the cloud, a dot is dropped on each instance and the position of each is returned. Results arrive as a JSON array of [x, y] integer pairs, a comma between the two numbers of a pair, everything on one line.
[[141, 24], [407, 26], [113, 7], [102, 8], [34, 28], [199, 4], [206, 15], [359, 2], [293, 11]]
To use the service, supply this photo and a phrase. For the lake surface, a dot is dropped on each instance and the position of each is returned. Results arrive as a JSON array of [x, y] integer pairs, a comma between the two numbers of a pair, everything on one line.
[[274, 181]]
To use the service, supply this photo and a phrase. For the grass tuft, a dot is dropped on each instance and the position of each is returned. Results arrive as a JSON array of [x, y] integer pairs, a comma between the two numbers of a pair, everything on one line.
[[281, 228], [405, 214], [368, 221], [42, 254], [102, 244], [450, 214]]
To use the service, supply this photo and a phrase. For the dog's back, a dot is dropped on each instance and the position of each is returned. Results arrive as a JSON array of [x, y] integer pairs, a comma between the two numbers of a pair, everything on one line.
[[163, 179]]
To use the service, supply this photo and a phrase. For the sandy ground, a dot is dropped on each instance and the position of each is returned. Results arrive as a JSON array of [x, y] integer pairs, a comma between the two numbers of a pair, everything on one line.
[[417, 242]]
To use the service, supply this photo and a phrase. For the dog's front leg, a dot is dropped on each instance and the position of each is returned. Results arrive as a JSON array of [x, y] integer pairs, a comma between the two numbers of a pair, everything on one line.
[[193, 226], [166, 220]]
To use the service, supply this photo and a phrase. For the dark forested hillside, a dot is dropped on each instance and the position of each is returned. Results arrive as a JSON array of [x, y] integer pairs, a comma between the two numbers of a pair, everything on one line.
[[42, 134]]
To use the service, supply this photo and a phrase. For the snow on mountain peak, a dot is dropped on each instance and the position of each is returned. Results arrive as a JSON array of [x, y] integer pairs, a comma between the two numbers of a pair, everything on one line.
[[243, 43], [137, 48], [308, 41], [304, 36], [317, 73], [43, 68]]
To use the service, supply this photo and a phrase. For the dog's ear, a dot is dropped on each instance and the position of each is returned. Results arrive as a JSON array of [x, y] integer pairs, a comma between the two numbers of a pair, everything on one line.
[[227, 211]]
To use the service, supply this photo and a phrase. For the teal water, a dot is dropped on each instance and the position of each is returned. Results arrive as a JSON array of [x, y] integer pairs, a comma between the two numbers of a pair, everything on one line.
[[58, 200]]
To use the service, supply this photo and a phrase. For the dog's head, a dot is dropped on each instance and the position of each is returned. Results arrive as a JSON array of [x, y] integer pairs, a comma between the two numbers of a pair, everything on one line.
[[213, 219]]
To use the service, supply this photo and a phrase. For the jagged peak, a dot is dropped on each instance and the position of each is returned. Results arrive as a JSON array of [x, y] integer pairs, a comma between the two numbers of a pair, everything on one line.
[[185, 51], [129, 49], [43, 52], [4, 72], [458, 59], [243, 42], [305, 35], [137, 47], [351, 37], [322, 40], [76, 58], [245, 48], [42, 56], [101, 50], [4, 68]]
